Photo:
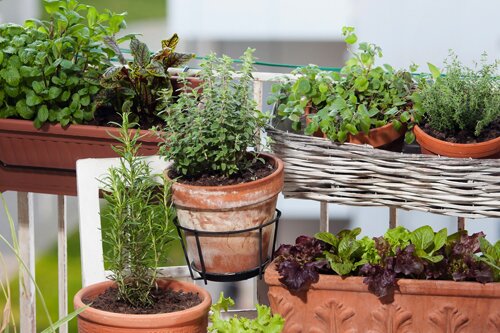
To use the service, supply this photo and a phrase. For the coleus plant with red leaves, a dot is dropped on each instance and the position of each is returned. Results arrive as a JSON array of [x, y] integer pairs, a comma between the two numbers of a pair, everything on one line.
[[400, 253]]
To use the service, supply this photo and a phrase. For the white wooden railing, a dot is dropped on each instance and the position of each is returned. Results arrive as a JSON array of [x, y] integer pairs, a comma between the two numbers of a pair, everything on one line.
[[26, 221]]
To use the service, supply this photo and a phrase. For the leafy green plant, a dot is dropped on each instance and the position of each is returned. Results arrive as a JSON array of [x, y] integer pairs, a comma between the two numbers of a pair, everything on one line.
[[264, 323], [141, 79], [7, 320], [49, 70], [462, 100], [361, 97], [210, 128], [140, 217], [400, 253]]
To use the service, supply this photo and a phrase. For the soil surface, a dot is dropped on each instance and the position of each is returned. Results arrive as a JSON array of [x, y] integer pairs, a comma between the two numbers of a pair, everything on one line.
[[107, 117], [166, 300], [489, 133], [257, 170]]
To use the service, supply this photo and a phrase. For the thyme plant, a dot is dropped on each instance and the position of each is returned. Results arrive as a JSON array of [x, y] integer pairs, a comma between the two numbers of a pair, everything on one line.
[[462, 100], [140, 217], [210, 128]]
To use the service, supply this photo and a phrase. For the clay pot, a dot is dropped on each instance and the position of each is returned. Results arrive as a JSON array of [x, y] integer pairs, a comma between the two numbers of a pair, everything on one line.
[[193, 320], [336, 304], [376, 137], [431, 145], [229, 208]]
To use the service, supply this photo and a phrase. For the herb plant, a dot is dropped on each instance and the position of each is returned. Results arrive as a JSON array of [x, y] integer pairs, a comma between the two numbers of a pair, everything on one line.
[[419, 254], [49, 70], [141, 79], [361, 97], [140, 220], [210, 128], [264, 323], [462, 100]]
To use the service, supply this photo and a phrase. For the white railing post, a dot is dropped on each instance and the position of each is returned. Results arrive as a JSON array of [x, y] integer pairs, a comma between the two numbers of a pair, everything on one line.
[[62, 261], [26, 232]]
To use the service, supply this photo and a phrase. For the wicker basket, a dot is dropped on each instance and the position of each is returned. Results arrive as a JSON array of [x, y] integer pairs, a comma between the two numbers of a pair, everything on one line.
[[359, 175]]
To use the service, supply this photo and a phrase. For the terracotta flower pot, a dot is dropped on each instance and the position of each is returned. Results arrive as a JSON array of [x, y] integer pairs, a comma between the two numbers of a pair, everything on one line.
[[376, 137], [334, 304], [431, 145], [227, 208], [193, 320]]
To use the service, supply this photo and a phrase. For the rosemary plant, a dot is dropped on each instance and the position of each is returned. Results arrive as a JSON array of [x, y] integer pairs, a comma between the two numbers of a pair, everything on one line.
[[140, 218]]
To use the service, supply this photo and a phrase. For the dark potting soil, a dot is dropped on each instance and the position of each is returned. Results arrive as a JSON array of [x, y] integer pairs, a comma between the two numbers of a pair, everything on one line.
[[257, 170], [492, 131], [165, 301], [105, 116]]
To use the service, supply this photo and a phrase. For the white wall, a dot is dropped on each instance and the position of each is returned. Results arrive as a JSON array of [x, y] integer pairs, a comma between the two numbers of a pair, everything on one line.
[[17, 11]]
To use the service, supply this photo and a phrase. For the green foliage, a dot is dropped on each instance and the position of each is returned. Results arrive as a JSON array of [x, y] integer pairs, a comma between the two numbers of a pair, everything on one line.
[[264, 323], [347, 253], [140, 217], [142, 79], [490, 256], [462, 100], [210, 128], [49, 70], [361, 97]]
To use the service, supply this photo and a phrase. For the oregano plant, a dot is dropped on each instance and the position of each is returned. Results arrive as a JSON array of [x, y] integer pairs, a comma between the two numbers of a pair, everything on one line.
[[209, 128]]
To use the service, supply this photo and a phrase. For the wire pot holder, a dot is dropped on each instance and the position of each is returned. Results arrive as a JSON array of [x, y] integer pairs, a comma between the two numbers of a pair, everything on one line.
[[227, 277]]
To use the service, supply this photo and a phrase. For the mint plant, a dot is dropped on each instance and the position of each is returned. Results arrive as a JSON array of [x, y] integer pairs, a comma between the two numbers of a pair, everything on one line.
[[143, 80], [463, 99], [209, 129], [49, 70], [400, 253], [140, 220], [361, 97]]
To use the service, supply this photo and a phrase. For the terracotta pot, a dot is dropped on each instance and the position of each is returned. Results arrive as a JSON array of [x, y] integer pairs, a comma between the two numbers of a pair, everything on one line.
[[376, 137], [335, 305], [431, 145], [227, 208], [56, 147], [193, 320]]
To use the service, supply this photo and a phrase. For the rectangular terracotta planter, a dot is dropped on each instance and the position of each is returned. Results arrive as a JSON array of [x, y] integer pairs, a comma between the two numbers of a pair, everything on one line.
[[44, 160], [335, 305]]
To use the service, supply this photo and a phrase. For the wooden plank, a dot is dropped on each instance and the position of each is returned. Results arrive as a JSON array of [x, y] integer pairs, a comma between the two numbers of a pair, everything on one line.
[[461, 223], [62, 259], [324, 223], [26, 236], [393, 217]]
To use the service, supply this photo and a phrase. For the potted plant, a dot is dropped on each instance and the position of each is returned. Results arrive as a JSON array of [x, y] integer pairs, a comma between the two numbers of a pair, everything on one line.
[[363, 103], [461, 111], [219, 185], [396, 283], [139, 231], [52, 95]]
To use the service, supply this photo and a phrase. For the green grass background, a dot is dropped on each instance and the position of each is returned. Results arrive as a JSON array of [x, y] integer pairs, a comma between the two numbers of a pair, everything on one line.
[[137, 10]]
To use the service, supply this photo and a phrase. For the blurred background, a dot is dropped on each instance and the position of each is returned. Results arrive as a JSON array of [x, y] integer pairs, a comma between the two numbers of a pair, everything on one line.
[[287, 32]]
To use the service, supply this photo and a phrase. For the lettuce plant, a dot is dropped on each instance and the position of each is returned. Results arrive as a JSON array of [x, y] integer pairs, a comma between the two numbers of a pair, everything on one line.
[[265, 322], [400, 253]]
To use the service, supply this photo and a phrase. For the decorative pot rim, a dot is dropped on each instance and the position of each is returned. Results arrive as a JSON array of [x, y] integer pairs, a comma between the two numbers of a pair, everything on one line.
[[81, 130], [138, 320], [236, 187]]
